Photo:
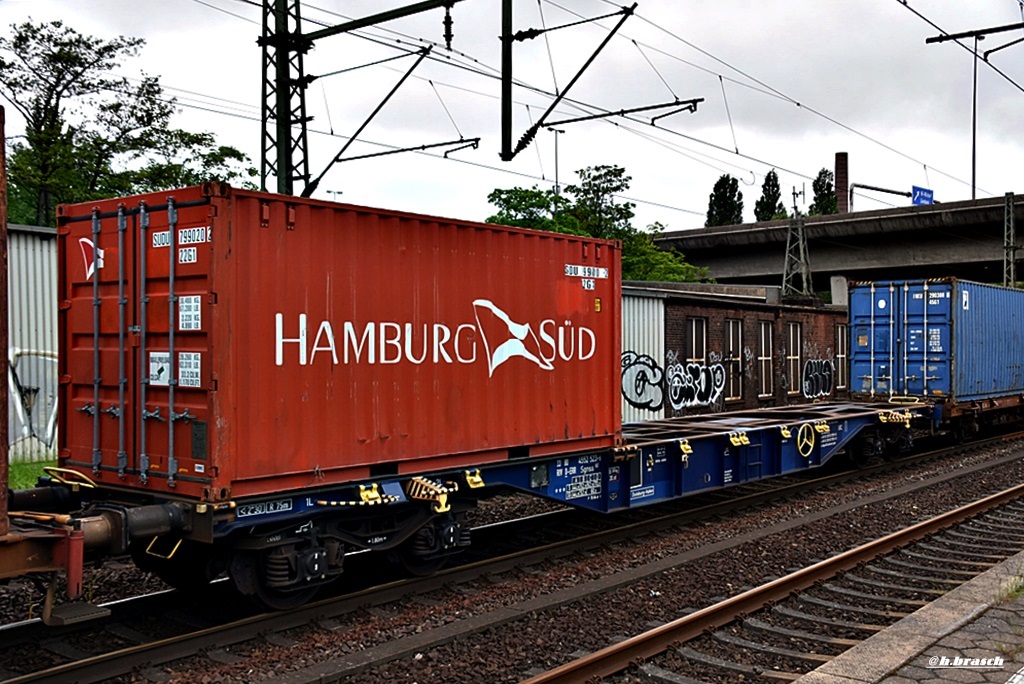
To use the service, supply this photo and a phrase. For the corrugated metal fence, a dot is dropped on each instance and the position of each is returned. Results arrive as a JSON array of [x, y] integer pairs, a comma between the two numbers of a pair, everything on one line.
[[643, 357], [32, 320]]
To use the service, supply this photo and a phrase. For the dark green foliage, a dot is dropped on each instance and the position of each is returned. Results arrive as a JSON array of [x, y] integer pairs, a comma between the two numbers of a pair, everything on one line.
[[824, 194], [769, 206], [725, 204], [593, 211], [599, 214], [534, 208], [642, 260], [89, 134]]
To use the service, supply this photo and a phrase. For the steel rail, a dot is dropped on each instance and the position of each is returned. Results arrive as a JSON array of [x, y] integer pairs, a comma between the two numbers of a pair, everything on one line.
[[614, 658], [118, 663]]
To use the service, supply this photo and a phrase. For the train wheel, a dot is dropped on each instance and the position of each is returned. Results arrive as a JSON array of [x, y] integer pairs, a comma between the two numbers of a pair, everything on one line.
[[863, 450], [190, 566], [252, 574], [418, 565], [429, 549]]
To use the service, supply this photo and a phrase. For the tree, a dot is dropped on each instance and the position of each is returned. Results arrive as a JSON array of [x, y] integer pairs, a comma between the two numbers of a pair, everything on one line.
[[725, 204], [596, 209], [642, 260], [594, 212], [89, 134], [534, 208], [824, 194], [769, 206]]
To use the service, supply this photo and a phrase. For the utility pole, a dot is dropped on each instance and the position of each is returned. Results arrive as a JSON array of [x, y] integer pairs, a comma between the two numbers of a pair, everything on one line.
[[974, 124], [798, 262], [976, 35], [285, 150], [557, 131], [1009, 244]]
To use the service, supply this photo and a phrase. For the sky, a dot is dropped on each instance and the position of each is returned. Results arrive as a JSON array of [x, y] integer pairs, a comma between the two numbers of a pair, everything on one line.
[[785, 84]]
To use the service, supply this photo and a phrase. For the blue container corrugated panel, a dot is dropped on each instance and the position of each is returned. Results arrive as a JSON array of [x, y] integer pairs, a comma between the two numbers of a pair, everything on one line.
[[945, 338]]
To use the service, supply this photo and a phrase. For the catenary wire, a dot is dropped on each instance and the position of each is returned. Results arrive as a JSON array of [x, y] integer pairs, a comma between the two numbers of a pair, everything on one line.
[[492, 74], [782, 95]]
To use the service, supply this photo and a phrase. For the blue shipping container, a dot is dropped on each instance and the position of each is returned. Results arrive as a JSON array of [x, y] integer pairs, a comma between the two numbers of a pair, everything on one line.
[[949, 339]]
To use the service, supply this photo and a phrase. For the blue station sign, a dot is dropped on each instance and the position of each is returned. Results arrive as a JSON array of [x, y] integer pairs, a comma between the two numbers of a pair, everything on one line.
[[921, 195]]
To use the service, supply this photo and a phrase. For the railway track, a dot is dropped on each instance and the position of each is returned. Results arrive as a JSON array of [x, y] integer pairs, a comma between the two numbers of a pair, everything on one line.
[[860, 591], [215, 640]]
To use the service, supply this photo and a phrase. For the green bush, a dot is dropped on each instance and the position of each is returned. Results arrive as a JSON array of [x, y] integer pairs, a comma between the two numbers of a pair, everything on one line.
[[25, 475]]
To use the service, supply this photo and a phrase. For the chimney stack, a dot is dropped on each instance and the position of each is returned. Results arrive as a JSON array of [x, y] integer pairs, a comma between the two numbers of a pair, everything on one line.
[[843, 182]]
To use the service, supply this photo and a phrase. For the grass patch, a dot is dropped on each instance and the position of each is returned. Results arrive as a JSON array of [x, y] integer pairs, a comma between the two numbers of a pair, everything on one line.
[[1012, 589], [25, 475]]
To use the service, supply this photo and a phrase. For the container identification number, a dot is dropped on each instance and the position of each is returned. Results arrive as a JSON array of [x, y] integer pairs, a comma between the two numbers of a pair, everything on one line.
[[574, 271], [188, 255], [192, 236], [186, 236]]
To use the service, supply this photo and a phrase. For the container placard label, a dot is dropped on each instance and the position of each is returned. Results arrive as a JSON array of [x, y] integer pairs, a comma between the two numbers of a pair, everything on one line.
[[159, 369], [189, 369], [190, 312]]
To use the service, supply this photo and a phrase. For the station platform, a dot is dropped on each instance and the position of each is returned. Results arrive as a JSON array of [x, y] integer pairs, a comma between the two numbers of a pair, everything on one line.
[[974, 633]]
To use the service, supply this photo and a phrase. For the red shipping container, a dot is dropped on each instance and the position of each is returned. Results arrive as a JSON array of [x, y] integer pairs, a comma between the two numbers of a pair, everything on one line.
[[227, 343]]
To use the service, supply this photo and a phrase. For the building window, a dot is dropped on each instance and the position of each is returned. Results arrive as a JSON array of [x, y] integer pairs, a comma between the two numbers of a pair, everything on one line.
[[696, 340], [764, 359], [794, 345], [733, 359], [842, 344]]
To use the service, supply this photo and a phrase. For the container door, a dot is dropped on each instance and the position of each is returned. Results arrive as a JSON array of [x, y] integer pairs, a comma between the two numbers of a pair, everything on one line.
[[874, 339], [134, 316], [97, 360], [926, 352], [174, 320]]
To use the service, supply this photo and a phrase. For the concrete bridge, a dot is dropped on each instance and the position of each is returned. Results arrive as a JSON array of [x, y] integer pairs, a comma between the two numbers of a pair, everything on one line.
[[961, 239]]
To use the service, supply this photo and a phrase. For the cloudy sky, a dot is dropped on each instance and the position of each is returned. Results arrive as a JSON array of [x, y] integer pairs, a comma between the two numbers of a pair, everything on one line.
[[786, 84]]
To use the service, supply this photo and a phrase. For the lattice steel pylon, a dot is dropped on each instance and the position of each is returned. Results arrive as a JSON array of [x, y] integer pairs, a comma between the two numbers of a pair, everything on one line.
[[285, 150], [1009, 244], [798, 262]]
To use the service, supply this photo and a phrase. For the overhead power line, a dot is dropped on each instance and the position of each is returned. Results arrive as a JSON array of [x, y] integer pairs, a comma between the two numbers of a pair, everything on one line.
[[990, 65]]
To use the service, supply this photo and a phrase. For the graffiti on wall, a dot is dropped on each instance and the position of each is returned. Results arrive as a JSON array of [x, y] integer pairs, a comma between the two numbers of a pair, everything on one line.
[[687, 385], [642, 379], [693, 384], [818, 378], [32, 384]]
